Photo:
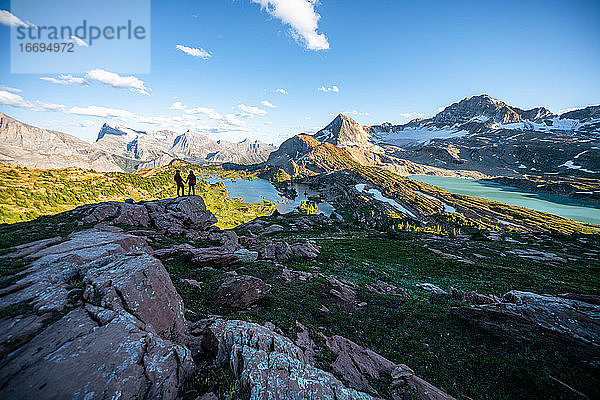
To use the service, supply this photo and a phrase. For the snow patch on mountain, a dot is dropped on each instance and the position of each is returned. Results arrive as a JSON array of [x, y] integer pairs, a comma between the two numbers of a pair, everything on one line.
[[417, 135], [571, 165], [380, 197]]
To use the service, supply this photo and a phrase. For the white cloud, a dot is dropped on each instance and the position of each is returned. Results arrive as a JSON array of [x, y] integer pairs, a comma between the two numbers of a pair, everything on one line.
[[354, 112], [268, 104], [192, 51], [411, 115], [14, 100], [105, 77], [302, 18], [51, 107], [223, 124], [8, 19], [78, 41], [209, 112], [333, 89], [252, 110], [65, 80], [177, 106], [117, 81], [97, 111], [10, 89], [233, 120], [282, 91]]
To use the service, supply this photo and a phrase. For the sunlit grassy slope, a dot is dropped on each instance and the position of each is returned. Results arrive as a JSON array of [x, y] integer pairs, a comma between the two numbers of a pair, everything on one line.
[[27, 193]]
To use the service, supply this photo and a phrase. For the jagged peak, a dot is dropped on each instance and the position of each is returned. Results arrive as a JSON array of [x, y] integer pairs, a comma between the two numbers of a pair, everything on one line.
[[343, 130]]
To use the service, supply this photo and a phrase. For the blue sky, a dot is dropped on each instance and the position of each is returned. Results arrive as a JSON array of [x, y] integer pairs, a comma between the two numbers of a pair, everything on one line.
[[390, 61]]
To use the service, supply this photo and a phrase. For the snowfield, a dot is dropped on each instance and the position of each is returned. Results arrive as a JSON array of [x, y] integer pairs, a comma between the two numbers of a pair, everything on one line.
[[411, 136]]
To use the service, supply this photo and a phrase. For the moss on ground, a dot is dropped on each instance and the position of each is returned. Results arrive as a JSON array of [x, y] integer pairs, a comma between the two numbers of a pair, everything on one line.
[[418, 331]]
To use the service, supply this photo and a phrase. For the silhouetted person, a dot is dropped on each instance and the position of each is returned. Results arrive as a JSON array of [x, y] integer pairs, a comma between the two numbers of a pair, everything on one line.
[[191, 181], [179, 183]]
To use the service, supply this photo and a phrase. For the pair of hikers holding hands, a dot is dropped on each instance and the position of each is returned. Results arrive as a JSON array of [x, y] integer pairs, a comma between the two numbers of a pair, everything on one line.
[[190, 180]]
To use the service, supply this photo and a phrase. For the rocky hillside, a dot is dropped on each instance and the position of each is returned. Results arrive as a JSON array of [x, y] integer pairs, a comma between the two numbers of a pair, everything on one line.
[[475, 137], [119, 148], [163, 146], [150, 300], [343, 131], [483, 112], [95, 314], [304, 155], [27, 193], [484, 134], [41, 148]]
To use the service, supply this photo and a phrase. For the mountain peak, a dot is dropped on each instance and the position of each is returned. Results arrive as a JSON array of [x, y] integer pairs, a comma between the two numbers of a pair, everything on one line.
[[118, 130], [343, 131], [482, 108]]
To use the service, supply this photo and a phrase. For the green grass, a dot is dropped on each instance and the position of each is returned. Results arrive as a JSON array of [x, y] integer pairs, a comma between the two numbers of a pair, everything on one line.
[[419, 331], [218, 381], [28, 193]]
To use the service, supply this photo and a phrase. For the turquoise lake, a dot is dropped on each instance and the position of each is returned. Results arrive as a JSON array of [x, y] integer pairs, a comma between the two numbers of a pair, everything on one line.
[[577, 210], [257, 190]]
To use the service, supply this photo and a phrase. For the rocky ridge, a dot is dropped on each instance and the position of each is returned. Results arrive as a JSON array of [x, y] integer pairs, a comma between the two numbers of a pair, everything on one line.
[[163, 146], [476, 137], [42, 148], [95, 315]]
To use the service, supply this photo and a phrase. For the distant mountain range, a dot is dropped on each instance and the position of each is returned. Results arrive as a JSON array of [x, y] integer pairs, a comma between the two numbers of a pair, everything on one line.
[[473, 137], [477, 136], [152, 147], [42, 148], [119, 148]]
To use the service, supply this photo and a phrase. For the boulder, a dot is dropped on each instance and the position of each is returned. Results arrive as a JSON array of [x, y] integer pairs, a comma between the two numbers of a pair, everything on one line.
[[229, 240], [183, 249], [385, 288], [214, 257], [279, 251], [193, 283], [271, 365], [307, 249], [283, 251], [571, 324], [118, 213], [241, 291], [305, 342], [246, 255], [105, 321], [431, 288], [272, 229], [178, 216], [472, 297], [359, 366], [341, 292], [290, 275], [207, 396], [356, 364]]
